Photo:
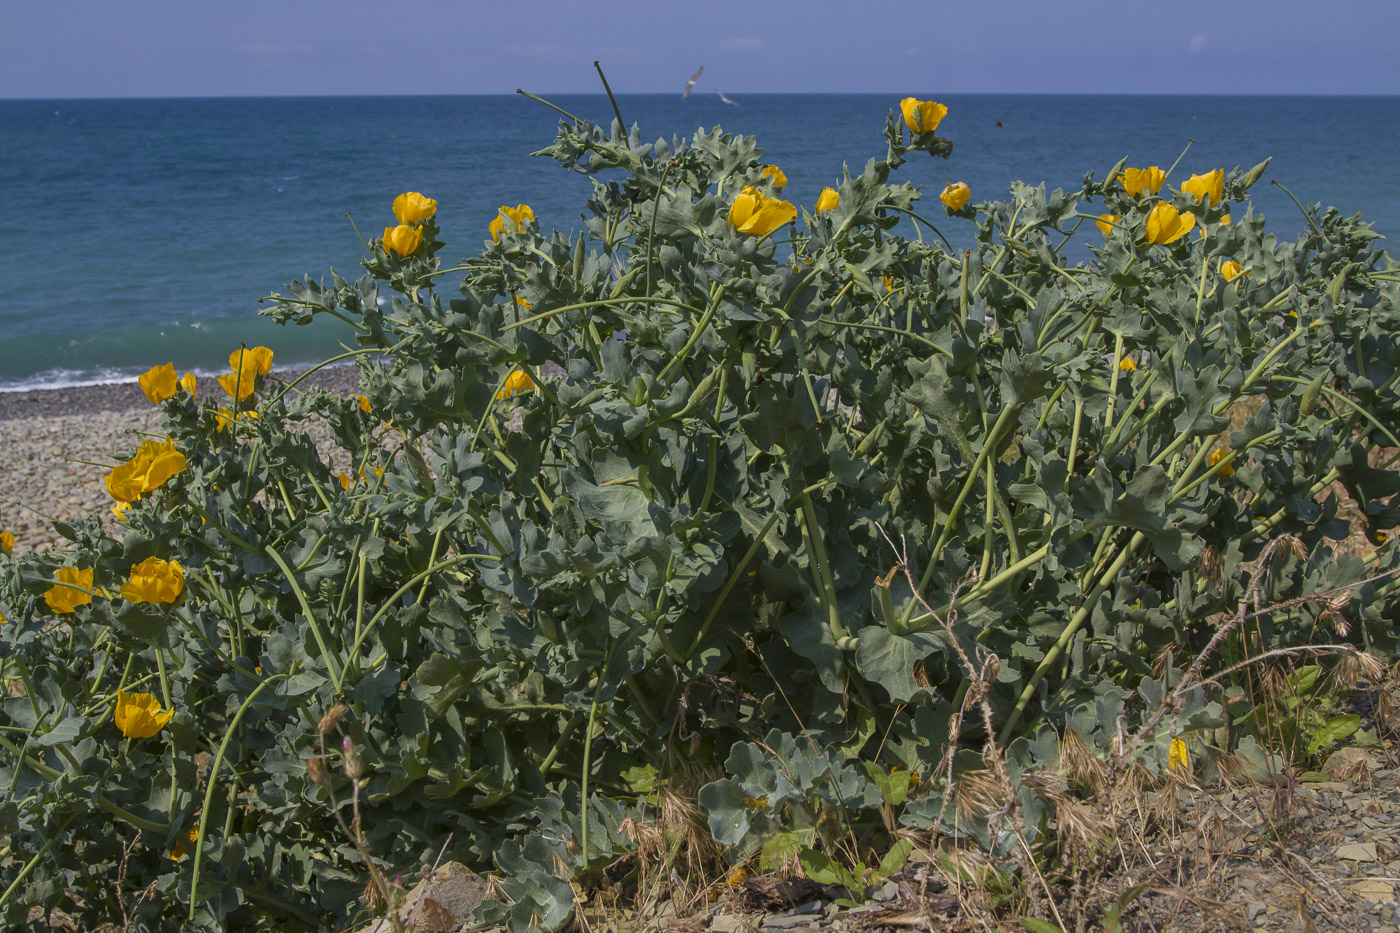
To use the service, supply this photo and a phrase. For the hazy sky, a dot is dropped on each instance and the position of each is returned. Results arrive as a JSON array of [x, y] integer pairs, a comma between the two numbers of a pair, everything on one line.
[[159, 48]]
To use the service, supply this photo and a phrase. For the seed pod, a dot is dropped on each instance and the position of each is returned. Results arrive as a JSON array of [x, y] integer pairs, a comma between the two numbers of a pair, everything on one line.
[[1311, 393]]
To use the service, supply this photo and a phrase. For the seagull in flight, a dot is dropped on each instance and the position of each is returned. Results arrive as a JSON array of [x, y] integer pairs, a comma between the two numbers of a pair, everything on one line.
[[734, 103], [690, 85]]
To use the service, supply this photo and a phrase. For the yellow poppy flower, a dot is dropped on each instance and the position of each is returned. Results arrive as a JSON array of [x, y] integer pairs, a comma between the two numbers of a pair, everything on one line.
[[66, 598], [411, 207], [158, 382], [1177, 756], [1224, 220], [247, 364], [139, 716], [517, 381], [402, 239], [1138, 180], [154, 581], [955, 195], [1226, 471], [775, 174], [756, 215], [736, 876], [922, 116], [828, 200], [7, 542], [517, 215], [119, 511], [188, 383], [177, 851], [148, 469], [520, 300], [1105, 223], [1126, 364], [1167, 225], [1210, 185], [223, 417], [364, 403], [344, 480], [1230, 269]]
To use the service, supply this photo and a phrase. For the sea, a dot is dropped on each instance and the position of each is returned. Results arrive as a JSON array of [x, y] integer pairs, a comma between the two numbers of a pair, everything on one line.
[[135, 232]]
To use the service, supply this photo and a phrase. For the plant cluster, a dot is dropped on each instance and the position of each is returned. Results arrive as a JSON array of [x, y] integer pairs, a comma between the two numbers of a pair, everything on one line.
[[717, 490]]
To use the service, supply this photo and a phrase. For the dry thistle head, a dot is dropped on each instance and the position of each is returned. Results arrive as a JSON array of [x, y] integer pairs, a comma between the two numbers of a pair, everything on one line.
[[331, 718], [316, 770], [1357, 668]]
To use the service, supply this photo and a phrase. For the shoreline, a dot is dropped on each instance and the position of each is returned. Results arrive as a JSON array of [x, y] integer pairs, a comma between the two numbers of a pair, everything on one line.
[[60, 444], [17, 404]]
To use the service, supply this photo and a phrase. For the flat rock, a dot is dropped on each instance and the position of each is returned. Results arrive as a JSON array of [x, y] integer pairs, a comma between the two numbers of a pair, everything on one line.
[[1357, 852], [440, 903]]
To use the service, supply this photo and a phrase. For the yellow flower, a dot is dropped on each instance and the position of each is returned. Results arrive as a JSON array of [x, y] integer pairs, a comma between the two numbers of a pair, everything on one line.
[[344, 480], [518, 215], [1167, 225], [7, 542], [776, 175], [955, 195], [1226, 471], [520, 300], [139, 716], [188, 382], [1138, 180], [1126, 364], [1210, 185], [148, 469], [402, 239], [756, 803], [177, 851], [247, 364], [757, 215], [922, 116], [223, 417], [1177, 756], [1230, 269], [158, 382], [119, 511], [364, 403], [77, 591], [1105, 223], [154, 581], [736, 876], [517, 381], [411, 207], [828, 200], [1224, 220]]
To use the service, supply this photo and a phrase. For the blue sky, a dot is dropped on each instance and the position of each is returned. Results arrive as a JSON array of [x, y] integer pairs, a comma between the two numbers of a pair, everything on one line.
[[158, 48]]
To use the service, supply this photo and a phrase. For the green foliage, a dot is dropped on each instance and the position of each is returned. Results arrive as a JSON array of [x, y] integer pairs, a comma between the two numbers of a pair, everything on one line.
[[544, 608]]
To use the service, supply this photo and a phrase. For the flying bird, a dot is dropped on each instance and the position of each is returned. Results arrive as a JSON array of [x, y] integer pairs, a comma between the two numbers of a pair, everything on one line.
[[690, 85], [727, 100]]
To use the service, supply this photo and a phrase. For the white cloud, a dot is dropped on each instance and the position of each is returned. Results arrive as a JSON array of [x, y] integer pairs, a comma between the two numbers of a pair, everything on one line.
[[1198, 42], [742, 44], [264, 49]]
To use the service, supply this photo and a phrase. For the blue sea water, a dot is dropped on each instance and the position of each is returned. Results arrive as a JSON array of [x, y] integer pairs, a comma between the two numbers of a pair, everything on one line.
[[136, 232]]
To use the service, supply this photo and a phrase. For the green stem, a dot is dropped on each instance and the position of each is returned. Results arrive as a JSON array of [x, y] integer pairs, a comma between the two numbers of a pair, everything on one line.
[[332, 667], [30, 865], [541, 100], [213, 782]]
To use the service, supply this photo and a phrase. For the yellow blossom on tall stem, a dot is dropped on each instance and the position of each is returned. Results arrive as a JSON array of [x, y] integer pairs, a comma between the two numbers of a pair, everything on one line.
[[224, 417], [154, 581], [364, 403], [922, 116], [188, 382], [1138, 180], [1229, 268], [247, 364], [955, 195], [756, 215], [411, 207], [517, 215], [1210, 185], [139, 716], [402, 239], [72, 588], [517, 381], [158, 383], [148, 469], [776, 176], [828, 200], [7, 541], [1167, 225], [1126, 364], [1105, 223]]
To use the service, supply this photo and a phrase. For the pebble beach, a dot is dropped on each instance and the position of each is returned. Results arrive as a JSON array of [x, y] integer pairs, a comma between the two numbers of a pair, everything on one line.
[[59, 444]]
